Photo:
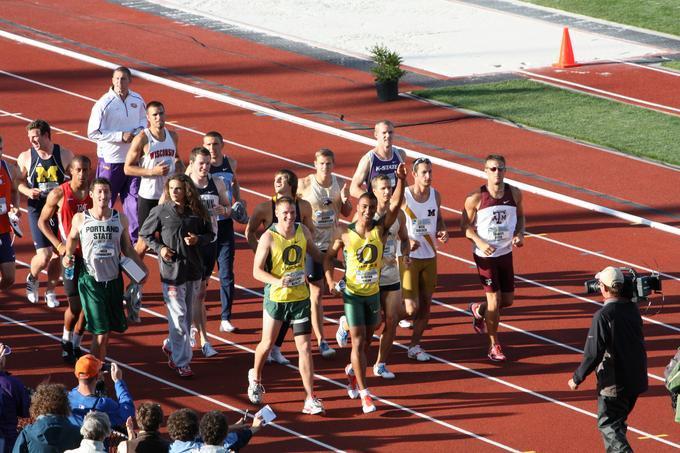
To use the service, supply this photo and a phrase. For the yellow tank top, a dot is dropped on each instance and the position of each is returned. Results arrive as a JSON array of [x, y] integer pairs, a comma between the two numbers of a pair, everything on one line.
[[288, 258], [363, 260]]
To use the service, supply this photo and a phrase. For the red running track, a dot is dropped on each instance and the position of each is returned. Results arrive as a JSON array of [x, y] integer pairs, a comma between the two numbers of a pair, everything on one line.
[[459, 397]]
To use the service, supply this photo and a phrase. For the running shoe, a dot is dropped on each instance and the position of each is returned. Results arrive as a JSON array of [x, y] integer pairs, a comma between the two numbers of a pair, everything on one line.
[[226, 326], [208, 350], [133, 297], [405, 324], [51, 299], [496, 353], [185, 371], [380, 369], [255, 389], [342, 335], [16, 226], [367, 404], [326, 351], [478, 323], [275, 355], [313, 406], [67, 352], [192, 336], [417, 353], [32, 288], [166, 350], [352, 386]]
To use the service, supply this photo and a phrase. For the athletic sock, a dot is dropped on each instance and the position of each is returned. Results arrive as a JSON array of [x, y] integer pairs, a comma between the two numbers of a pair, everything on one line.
[[364, 392], [66, 336], [76, 340], [276, 348]]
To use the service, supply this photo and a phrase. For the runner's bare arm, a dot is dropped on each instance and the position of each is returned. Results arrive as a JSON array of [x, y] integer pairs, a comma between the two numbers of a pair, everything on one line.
[[258, 218], [518, 236], [312, 249], [346, 202], [73, 240], [179, 163], [328, 260], [127, 248], [261, 253], [48, 211], [355, 188], [468, 219], [235, 186], [397, 198], [223, 207], [306, 214], [15, 194], [442, 232], [134, 155], [66, 158], [23, 163]]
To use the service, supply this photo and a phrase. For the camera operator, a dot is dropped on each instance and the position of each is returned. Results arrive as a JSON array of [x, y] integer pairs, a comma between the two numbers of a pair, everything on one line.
[[615, 347]]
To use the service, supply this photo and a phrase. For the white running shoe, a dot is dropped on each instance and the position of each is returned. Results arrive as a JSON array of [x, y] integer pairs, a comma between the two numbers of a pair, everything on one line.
[[405, 324], [51, 299], [326, 351], [352, 386], [208, 350], [417, 353], [313, 406], [192, 337], [226, 326], [342, 335], [275, 355], [32, 289], [380, 369], [255, 389], [367, 404]]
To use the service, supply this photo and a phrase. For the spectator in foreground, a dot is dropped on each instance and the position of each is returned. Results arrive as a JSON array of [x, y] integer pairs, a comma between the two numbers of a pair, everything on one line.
[[14, 403], [84, 398], [214, 428], [52, 430], [149, 419], [183, 428], [96, 427]]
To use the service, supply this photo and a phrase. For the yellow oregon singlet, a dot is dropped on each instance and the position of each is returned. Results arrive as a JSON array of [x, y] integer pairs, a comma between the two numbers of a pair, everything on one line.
[[288, 258], [363, 260]]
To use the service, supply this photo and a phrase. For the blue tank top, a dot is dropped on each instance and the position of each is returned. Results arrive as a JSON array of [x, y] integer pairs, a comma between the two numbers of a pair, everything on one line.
[[45, 174], [377, 166], [226, 174]]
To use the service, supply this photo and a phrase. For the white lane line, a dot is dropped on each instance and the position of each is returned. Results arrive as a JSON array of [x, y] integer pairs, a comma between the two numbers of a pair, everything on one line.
[[649, 67], [291, 366], [172, 384], [323, 128], [658, 107]]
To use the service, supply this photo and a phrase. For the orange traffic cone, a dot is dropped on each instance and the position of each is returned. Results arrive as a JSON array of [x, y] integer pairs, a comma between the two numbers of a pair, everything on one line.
[[566, 59]]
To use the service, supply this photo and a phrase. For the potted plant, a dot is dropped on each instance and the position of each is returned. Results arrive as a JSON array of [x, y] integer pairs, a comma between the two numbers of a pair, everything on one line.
[[387, 72]]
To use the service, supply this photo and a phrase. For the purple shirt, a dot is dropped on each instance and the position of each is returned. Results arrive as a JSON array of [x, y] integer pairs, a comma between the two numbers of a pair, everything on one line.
[[14, 403]]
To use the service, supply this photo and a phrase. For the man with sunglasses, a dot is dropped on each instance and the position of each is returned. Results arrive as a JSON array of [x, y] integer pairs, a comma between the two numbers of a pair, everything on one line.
[[493, 219], [425, 226]]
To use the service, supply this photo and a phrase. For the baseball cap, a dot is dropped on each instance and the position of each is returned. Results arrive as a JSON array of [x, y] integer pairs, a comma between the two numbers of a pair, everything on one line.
[[88, 366], [610, 275]]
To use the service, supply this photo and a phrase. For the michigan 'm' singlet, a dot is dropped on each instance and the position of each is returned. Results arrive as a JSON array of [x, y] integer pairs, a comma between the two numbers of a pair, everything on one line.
[[159, 153], [5, 196], [288, 258], [226, 174], [70, 206], [100, 242], [45, 175], [421, 223], [210, 198], [377, 166], [496, 221], [324, 214], [363, 260]]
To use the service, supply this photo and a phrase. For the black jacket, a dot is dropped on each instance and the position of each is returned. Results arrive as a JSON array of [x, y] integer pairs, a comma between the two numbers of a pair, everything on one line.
[[186, 264], [615, 348]]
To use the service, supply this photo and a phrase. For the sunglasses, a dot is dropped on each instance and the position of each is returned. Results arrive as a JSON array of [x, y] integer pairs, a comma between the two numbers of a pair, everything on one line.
[[495, 169], [421, 160]]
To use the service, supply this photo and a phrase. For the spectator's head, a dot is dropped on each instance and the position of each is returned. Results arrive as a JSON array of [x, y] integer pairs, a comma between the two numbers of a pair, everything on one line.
[[149, 416], [87, 368], [183, 425], [214, 428], [49, 399], [96, 426], [611, 281]]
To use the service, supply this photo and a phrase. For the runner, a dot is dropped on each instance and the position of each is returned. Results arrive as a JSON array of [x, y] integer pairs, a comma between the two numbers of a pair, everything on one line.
[[281, 250], [328, 199], [363, 244], [493, 220], [67, 200], [9, 205]]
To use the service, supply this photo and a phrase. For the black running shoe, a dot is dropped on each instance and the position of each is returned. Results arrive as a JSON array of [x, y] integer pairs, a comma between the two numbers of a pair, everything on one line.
[[67, 352]]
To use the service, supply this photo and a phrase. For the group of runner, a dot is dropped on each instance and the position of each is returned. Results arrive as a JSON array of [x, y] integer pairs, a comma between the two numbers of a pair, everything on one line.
[[185, 215]]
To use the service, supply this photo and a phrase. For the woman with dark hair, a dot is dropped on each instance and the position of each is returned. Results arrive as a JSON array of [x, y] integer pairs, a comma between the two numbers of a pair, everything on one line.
[[51, 430], [149, 418], [176, 230]]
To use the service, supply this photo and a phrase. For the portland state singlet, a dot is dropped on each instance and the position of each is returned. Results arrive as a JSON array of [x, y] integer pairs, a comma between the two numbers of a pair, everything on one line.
[[288, 258], [363, 260], [100, 242]]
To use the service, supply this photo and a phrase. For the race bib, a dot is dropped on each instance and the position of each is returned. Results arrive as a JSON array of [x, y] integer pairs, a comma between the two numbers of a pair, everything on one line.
[[295, 278], [498, 233], [46, 187], [367, 277], [420, 226], [324, 218], [3, 206], [104, 251]]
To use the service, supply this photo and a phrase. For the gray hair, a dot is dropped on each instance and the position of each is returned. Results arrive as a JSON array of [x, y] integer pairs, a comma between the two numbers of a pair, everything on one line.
[[96, 426]]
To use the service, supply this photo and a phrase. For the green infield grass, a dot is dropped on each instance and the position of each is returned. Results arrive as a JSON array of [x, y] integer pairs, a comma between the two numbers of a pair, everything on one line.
[[675, 64], [630, 129], [659, 15]]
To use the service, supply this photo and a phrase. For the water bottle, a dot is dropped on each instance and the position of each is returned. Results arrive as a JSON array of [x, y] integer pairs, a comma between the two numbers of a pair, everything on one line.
[[69, 271], [340, 286]]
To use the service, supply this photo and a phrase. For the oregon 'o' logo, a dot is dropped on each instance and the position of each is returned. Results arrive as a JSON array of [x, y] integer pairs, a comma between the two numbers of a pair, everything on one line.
[[367, 254], [292, 255]]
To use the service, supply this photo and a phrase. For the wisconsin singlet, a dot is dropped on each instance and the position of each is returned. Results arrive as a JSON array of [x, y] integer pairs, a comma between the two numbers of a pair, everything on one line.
[[44, 175], [378, 166], [324, 214], [5, 196], [210, 198], [70, 206], [288, 258], [159, 153], [421, 223], [496, 221], [100, 242], [363, 260], [226, 174]]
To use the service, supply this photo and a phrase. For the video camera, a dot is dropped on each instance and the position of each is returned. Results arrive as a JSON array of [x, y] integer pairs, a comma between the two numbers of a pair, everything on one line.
[[635, 287]]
